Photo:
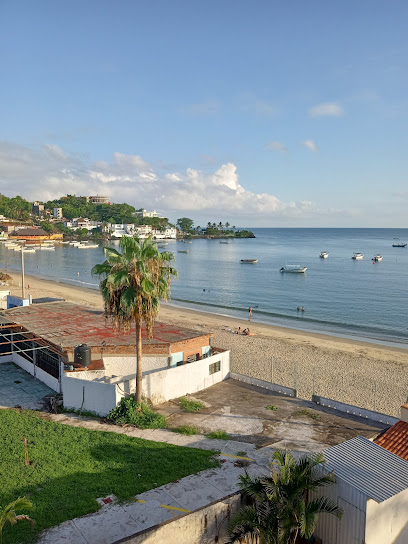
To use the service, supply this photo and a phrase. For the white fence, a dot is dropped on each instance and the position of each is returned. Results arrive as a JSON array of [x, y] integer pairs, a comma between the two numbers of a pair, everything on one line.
[[103, 394]]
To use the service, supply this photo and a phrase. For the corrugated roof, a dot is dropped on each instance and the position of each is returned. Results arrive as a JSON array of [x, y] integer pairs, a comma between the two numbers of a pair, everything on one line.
[[395, 439], [374, 471]]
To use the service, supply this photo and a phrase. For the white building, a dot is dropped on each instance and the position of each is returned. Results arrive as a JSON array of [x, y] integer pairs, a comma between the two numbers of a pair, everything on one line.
[[57, 213], [98, 199], [82, 223], [144, 213], [372, 489]]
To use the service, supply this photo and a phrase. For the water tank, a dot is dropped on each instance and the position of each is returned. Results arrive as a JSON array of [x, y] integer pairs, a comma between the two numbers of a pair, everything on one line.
[[82, 355]]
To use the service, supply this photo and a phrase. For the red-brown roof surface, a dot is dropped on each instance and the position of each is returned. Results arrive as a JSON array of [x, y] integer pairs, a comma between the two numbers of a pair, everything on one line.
[[68, 325], [395, 439]]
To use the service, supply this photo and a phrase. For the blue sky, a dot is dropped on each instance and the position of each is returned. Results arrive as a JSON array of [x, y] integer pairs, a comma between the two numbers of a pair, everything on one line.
[[263, 113]]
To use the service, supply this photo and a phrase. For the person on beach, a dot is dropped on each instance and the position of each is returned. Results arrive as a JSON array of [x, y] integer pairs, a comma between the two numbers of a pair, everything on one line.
[[249, 313], [239, 330]]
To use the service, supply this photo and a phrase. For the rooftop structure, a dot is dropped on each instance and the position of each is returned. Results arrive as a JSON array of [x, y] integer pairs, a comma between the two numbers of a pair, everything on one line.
[[144, 213], [372, 470], [395, 439], [37, 234], [98, 199]]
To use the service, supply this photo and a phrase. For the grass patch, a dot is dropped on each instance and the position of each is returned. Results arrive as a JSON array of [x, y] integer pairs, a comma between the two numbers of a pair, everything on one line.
[[70, 467], [188, 405], [220, 435], [185, 429], [241, 454], [306, 413], [271, 407], [84, 413], [128, 411]]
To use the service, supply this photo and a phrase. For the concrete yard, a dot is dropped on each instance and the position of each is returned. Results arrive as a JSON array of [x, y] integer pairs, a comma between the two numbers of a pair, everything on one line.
[[240, 410], [19, 388]]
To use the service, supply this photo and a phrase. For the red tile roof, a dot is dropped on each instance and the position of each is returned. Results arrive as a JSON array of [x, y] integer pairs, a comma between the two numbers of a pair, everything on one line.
[[395, 439]]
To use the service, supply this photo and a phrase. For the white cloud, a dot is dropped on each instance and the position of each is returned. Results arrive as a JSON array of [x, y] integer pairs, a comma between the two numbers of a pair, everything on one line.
[[310, 144], [41, 175], [276, 146], [328, 109]]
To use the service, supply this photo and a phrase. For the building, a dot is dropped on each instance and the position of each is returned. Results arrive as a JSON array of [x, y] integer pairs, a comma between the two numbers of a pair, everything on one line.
[[38, 209], [42, 339], [98, 199], [372, 489], [82, 223], [34, 235], [144, 213], [57, 213], [395, 439]]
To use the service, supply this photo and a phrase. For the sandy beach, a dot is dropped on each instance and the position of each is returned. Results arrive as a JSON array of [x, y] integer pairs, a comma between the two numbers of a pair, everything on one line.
[[369, 375]]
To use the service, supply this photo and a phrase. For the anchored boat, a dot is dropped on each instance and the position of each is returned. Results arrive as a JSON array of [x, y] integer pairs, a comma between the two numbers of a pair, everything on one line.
[[377, 258], [358, 256], [249, 261], [324, 254], [293, 269]]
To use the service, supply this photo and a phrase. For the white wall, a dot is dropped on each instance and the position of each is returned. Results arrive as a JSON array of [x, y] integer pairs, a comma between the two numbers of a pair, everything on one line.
[[40, 374], [126, 366], [93, 396], [102, 394], [387, 522], [178, 381]]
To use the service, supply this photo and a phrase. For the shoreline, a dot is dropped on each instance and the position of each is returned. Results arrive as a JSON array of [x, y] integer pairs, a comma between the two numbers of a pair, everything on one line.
[[372, 376], [188, 316]]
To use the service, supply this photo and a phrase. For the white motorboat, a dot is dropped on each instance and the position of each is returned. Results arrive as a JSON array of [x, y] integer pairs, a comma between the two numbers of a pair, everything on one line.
[[358, 256], [87, 246], [293, 269], [324, 254], [47, 247], [28, 250], [377, 258]]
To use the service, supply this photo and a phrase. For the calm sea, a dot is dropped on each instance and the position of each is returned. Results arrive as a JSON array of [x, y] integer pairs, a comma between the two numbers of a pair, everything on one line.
[[340, 296]]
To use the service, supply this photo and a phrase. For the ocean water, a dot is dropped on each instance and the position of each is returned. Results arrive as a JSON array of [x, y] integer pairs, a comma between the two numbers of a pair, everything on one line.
[[340, 296]]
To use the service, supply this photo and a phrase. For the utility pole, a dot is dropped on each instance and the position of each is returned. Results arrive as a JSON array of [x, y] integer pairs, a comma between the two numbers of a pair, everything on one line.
[[22, 272]]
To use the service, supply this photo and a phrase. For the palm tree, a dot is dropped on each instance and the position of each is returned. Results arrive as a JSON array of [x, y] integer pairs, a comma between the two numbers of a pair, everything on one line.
[[133, 282], [279, 507], [220, 225], [9, 513]]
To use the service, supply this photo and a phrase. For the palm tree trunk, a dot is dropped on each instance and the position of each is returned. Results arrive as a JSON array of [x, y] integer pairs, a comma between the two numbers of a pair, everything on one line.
[[139, 370]]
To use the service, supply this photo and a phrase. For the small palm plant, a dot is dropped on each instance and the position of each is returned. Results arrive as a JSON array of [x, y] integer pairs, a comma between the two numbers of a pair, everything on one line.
[[133, 283], [279, 507], [8, 514]]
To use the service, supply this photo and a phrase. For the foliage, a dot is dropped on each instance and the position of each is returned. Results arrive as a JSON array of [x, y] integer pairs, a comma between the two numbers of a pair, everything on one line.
[[189, 405], [141, 415], [8, 514], [306, 413], [278, 507], [77, 206], [241, 454], [218, 435], [271, 407], [185, 224], [72, 466], [185, 429], [15, 208], [133, 283], [47, 226]]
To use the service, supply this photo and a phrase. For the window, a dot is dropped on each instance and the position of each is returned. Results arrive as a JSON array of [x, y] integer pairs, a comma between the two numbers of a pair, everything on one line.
[[192, 358], [215, 367]]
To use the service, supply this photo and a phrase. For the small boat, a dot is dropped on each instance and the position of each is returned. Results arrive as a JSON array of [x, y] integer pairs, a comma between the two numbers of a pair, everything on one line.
[[183, 251], [87, 246], [47, 247], [224, 242], [324, 254], [377, 258], [249, 261], [399, 244], [358, 256], [293, 269]]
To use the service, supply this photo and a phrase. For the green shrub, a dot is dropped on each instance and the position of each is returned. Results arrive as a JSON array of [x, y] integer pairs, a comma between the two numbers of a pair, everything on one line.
[[188, 405], [185, 429], [305, 413], [220, 435], [272, 407], [129, 411]]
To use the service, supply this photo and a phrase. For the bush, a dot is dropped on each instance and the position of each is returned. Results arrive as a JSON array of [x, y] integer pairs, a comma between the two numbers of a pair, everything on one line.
[[219, 435], [188, 405], [129, 411]]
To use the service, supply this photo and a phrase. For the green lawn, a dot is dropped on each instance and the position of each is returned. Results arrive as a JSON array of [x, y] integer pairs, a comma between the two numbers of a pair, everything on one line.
[[70, 467]]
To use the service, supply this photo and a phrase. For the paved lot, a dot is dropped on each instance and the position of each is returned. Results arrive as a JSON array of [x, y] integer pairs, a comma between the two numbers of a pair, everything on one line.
[[19, 388], [241, 410]]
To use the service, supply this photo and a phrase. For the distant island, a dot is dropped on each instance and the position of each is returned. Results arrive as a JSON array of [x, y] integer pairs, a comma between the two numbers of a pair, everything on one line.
[[96, 217]]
